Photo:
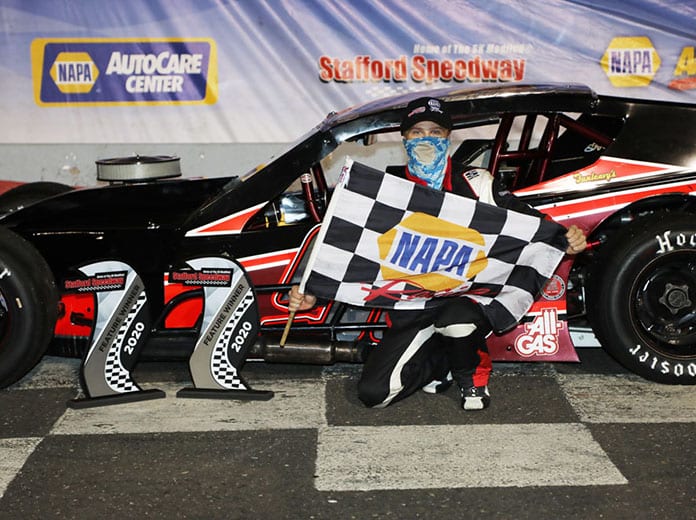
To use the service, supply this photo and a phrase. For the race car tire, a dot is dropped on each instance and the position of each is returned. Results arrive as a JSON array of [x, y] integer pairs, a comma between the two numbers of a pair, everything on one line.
[[26, 194], [28, 307], [642, 303]]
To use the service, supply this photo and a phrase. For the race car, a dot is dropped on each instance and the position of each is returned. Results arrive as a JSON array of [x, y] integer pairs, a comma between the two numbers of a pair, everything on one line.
[[150, 264]]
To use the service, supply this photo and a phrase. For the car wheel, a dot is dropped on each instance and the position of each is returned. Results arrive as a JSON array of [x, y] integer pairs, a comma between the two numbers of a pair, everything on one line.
[[642, 302], [28, 307], [26, 194]]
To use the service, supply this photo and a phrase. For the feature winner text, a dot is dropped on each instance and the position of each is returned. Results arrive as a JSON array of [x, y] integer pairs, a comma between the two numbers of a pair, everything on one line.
[[161, 72]]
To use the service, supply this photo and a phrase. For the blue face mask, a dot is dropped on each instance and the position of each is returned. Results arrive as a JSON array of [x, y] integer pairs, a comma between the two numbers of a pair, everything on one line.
[[427, 159]]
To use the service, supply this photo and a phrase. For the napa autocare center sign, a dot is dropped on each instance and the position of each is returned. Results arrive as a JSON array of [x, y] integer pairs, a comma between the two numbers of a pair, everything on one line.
[[112, 71], [266, 71]]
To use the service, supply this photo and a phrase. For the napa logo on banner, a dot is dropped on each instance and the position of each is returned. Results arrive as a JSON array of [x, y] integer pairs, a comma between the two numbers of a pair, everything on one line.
[[630, 61], [106, 71]]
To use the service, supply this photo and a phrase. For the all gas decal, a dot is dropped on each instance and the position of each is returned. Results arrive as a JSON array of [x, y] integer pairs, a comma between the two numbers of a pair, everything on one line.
[[541, 335]]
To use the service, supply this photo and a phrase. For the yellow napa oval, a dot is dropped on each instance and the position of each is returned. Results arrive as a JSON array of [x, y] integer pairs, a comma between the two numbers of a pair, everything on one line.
[[438, 253]]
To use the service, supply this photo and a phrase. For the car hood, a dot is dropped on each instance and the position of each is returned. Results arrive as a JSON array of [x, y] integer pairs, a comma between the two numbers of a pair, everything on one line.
[[166, 203]]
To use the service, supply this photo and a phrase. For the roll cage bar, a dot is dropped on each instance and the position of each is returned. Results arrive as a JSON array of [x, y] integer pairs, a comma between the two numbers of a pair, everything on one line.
[[540, 157]]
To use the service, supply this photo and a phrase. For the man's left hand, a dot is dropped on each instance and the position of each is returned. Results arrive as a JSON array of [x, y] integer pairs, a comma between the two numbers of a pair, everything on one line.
[[577, 241]]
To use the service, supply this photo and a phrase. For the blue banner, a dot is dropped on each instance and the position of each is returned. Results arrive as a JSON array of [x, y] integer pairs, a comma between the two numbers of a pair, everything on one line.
[[260, 71]]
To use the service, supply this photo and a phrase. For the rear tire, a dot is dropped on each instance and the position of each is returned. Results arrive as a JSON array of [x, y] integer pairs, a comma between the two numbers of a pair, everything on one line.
[[28, 307], [642, 301]]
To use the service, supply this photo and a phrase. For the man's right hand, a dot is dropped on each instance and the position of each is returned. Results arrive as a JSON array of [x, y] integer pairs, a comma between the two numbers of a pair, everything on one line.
[[299, 301]]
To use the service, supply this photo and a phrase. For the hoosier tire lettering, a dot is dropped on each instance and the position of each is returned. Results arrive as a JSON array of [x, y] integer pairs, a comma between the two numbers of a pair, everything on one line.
[[664, 367]]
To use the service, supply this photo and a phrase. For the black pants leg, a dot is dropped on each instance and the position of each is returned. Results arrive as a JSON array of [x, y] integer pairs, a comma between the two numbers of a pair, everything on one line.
[[421, 346]]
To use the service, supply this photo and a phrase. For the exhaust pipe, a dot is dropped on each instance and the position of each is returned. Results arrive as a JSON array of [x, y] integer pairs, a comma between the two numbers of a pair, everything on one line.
[[308, 352]]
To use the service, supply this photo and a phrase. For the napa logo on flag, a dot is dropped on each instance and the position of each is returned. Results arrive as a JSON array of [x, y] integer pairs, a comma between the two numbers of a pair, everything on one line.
[[109, 71], [430, 253]]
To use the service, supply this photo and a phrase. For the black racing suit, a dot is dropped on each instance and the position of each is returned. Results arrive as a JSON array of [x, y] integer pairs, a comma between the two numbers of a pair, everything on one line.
[[421, 346]]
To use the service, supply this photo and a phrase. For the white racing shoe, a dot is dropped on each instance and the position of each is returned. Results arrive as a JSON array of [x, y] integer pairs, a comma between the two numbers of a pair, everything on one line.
[[438, 386], [475, 398]]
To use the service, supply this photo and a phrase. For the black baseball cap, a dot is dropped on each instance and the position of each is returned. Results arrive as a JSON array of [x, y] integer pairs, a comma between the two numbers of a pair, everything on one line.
[[426, 109]]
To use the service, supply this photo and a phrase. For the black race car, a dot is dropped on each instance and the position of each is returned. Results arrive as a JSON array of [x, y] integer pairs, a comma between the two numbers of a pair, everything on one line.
[[152, 265]]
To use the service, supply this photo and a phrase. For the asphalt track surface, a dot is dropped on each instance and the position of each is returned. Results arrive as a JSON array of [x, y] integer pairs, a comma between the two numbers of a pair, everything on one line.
[[565, 441]]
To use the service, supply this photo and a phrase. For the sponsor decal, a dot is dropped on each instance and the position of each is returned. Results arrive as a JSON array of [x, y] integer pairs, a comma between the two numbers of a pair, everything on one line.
[[110, 71], [540, 336], [431, 253], [685, 71], [554, 288], [479, 63], [630, 61], [114, 281], [592, 176]]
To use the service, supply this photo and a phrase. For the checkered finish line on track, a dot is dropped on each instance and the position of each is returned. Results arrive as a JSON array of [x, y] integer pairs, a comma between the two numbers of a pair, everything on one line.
[[387, 242]]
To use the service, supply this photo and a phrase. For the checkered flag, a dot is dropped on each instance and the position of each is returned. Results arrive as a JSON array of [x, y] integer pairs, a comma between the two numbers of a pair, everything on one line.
[[387, 242]]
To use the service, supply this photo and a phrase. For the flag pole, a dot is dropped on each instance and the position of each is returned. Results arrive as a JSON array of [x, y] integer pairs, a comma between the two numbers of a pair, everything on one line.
[[291, 317], [342, 181]]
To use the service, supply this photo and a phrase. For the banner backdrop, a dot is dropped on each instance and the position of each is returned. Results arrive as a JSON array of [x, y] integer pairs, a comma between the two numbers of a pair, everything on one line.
[[257, 71]]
